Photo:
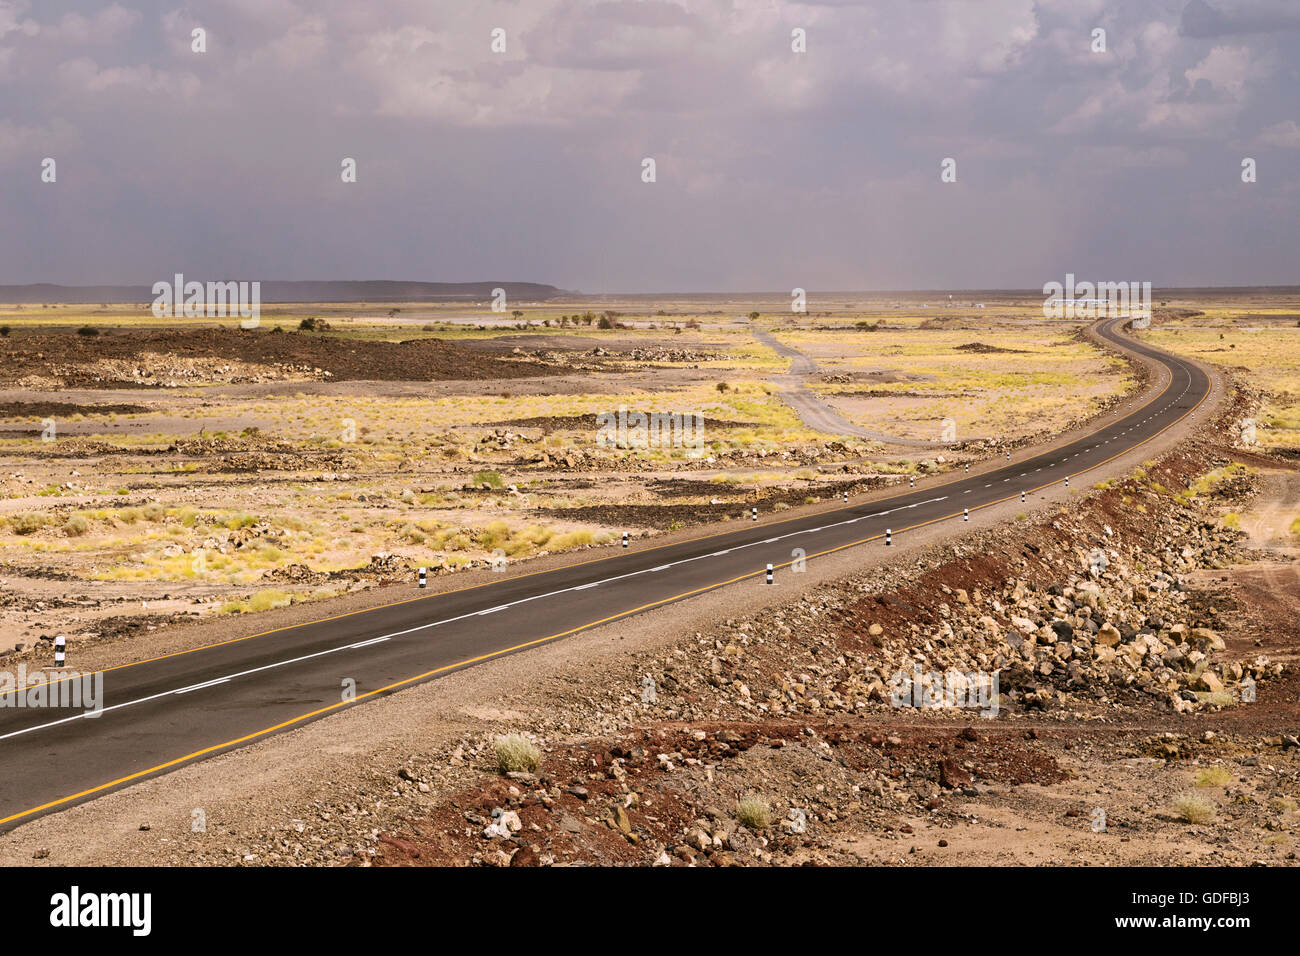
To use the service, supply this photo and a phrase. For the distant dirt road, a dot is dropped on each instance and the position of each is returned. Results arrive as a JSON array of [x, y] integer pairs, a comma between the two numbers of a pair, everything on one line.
[[812, 410]]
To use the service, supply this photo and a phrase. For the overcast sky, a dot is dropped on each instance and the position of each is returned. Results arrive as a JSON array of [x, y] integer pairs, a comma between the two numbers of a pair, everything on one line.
[[775, 169]]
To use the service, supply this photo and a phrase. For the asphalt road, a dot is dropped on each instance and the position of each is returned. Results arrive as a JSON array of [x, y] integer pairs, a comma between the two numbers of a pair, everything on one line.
[[161, 714]]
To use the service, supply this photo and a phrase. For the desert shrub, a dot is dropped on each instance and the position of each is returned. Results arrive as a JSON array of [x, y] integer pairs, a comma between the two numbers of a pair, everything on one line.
[[1193, 808], [515, 753], [88, 331], [261, 601], [28, 522], [491, 478], [753, 812], [76, 526], [604, 323], [494, 535], [269, 553], [1214, 777], [572, 539], [1218, 698], [4, 331]]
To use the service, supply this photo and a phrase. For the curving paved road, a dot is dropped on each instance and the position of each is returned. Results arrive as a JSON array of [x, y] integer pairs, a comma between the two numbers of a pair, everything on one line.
[[160, 714]]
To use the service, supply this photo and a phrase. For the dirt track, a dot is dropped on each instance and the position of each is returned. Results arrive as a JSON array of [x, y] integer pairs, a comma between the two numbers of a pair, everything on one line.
[[814, 412]]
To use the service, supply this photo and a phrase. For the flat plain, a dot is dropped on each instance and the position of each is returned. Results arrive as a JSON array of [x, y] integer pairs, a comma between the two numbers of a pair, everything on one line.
[[163, 486], [194, 468]]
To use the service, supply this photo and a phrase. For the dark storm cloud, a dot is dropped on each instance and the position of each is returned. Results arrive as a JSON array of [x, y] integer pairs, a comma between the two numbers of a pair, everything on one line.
[[775, 169]]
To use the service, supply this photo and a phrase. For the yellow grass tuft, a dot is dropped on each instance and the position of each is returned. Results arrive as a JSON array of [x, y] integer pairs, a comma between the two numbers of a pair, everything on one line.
[[515, 753], [753, 812], [1193, 808], [1214, 777]]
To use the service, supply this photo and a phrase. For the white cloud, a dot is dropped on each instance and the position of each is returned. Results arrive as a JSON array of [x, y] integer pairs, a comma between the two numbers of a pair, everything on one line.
[[1227, 68], [83, 75], [11, 18]]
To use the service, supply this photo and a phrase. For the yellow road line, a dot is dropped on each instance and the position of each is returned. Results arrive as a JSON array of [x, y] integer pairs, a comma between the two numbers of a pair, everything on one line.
[[324, 710]]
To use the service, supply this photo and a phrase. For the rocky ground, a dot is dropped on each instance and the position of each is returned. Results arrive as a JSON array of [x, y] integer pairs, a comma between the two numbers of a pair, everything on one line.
[[159, 358], [1146, 712]]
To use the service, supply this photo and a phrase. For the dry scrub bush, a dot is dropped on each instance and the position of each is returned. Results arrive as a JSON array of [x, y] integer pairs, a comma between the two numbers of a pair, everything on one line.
[[753, 812], [1214, 777], [1193, 808], [516, 754]]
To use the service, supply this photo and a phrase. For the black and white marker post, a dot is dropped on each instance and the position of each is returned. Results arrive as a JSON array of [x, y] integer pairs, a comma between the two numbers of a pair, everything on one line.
[[60, 645], [424, 580], [625, 539], [965, 514], [889, 538], [754, 512], [769, 574]]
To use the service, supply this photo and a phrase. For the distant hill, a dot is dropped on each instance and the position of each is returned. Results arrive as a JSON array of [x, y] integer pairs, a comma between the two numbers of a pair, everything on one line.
[[274, 291]]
